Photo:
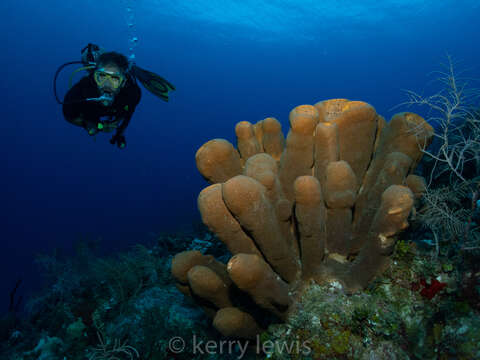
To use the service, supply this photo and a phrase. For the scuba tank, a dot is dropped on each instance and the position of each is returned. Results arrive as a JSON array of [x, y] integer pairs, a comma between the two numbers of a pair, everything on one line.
[[90, 54], [89, 57]]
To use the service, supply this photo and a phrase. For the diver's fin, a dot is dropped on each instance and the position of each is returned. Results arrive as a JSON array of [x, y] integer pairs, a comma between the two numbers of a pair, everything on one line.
[[154, 83]]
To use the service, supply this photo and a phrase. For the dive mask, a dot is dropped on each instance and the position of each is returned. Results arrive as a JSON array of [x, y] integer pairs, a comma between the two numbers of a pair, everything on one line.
[[101, 76]]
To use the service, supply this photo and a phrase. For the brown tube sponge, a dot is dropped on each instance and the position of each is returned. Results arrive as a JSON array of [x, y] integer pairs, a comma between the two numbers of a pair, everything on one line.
[[253, 275], [258, 130], [405, 133], [394, 172], [416, 184], [340, 195], [247, 143], [273, 140], [390, 219], [297, 159], [206, 284], [326, 148], [357, 126], [232, 322], [340, 185], [324, 205], [247, 200], [311, 214], [184, 261], [219, 220], [218, 161]]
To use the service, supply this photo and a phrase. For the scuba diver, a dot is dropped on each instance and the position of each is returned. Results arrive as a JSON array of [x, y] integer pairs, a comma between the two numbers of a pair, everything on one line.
[[106, 98]]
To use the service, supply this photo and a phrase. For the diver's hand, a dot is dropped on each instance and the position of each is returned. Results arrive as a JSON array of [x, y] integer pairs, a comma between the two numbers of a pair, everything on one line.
[[118, 139], [93, 128]]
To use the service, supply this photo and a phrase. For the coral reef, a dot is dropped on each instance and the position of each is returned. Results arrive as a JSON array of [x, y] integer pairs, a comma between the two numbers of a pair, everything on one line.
[[122, 306], [94, 309], [322, 205], [391, 319]]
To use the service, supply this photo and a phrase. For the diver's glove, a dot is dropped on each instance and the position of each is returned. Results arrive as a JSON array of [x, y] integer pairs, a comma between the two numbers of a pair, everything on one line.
[[93, 127], [118, 139]]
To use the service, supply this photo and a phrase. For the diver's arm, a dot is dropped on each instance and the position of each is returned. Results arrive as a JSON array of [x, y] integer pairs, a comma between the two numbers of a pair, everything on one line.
[[81, 120], [72, 106], [76, 110]]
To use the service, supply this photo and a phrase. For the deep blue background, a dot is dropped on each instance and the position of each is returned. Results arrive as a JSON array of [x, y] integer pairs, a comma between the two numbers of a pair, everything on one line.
[[228, 65]]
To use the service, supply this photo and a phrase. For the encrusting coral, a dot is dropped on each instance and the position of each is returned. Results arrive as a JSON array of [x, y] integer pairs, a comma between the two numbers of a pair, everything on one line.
[[322, 205]]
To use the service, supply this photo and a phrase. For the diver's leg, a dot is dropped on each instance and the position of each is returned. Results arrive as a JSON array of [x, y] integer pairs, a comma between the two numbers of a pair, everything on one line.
[[109, 126]]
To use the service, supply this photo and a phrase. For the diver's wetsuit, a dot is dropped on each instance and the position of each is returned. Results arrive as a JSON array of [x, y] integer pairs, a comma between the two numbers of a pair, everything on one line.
[[120, 111]]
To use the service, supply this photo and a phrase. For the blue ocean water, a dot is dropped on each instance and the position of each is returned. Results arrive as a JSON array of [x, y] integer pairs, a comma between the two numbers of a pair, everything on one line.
[[229, 60]]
